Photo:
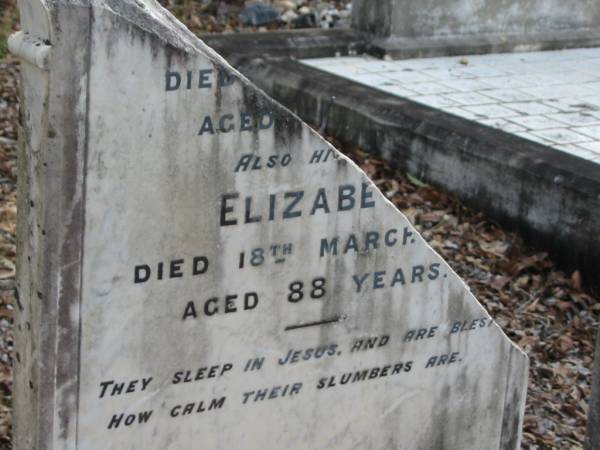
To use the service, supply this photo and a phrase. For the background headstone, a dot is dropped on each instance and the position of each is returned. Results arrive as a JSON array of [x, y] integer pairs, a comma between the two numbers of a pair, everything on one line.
[[198, 268], [451, 18], [406, 29]]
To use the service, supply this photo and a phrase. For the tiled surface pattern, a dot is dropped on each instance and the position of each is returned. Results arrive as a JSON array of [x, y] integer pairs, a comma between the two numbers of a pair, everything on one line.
[[547, 97]]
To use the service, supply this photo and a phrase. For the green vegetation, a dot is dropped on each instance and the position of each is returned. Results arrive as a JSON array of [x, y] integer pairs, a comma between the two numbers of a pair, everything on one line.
[[9, 21]]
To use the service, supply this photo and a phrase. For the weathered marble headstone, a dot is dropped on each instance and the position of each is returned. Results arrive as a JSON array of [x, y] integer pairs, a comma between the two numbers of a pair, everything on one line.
[[199, 269]]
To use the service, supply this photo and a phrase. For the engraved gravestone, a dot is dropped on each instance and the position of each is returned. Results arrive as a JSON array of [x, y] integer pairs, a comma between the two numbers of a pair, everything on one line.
[[199, 269]]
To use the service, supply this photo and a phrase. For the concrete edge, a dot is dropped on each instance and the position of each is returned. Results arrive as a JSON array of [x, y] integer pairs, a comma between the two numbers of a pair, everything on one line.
[[423, 47], [298, 44], [317, 43], [549, 197]]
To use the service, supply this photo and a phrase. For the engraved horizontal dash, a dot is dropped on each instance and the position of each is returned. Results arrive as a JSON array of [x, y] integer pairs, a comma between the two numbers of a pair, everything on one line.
[[315, 324]]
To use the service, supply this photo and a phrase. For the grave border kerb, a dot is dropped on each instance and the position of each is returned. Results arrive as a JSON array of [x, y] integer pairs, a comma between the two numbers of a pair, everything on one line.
[[317, 43]]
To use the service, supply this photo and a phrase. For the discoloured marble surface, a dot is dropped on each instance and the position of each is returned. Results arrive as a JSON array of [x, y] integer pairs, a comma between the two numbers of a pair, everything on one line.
[[215, 275]]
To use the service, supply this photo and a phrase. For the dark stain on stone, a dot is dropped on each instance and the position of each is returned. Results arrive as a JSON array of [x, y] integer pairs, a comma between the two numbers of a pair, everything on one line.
[[436, 437], [253, 104], [18, 299], [456, 307], [512, 406], [138, 16], [66, 221], [288, 129]]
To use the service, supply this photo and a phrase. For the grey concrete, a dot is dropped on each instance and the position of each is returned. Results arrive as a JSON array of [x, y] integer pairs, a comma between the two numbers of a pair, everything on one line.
[[200, 269], [373, 17], [593, 442], [397, 47], [408, 18], [302, 44], [474, 26], [299, 44]]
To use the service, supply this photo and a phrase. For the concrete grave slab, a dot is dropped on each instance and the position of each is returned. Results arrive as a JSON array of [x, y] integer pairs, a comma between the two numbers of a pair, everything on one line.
[[198, 268]]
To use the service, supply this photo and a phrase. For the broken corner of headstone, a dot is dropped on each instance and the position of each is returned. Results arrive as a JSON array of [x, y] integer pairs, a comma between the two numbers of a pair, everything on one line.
[[199, 267]]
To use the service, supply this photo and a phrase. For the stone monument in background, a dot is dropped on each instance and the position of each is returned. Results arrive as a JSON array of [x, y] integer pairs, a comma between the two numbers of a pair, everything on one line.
[[593, 441], [199, 269], [449, 27]]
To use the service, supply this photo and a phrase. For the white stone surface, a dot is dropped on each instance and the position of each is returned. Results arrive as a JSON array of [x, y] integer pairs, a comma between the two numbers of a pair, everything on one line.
[[557, 91], [203, 303]]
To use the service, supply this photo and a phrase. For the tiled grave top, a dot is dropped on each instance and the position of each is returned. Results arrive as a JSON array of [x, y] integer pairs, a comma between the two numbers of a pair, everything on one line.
[[548, 97]]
